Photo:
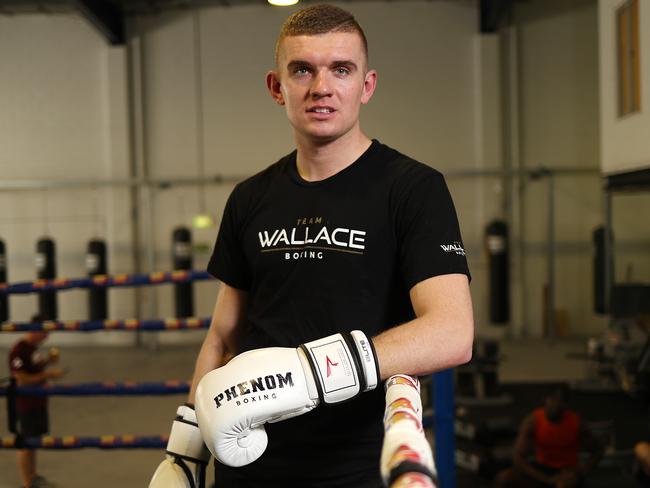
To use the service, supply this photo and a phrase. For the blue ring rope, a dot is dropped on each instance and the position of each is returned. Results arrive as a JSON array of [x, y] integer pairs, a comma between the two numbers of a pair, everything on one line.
[[190, 323], [104, 281], [75, 442], [109, 388]]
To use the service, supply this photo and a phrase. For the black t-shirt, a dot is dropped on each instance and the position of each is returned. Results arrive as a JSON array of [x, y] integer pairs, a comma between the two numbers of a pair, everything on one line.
[[322, 257]]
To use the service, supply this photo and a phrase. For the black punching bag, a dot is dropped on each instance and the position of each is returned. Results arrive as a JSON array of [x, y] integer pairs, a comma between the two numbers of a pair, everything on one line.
[[599, 268], [4, 299], [46, 270], [96, 265], [496, 238], [182, 259]]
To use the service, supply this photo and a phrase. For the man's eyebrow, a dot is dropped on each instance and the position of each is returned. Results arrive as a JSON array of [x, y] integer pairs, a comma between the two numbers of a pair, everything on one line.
[[297, 64], [345, 62]]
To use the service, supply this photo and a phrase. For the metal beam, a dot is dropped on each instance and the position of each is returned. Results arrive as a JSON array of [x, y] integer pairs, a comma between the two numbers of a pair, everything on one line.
[[159, 183], [4, 10], [107, 18]]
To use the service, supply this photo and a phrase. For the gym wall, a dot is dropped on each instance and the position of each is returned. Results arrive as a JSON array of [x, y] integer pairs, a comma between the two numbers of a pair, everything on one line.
[[198, 107], [63, 118], [557, 68], [624, 144], [424, 104]]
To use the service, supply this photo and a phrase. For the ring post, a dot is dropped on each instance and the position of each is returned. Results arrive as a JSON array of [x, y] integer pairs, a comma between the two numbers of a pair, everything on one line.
[[4, 298], [443, 415]]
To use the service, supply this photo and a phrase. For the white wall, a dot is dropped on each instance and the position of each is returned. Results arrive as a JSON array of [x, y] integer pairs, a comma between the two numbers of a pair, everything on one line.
[[63, 117], [426, 103], [200, 108], [625, 145], [557, 42], [205, 111]]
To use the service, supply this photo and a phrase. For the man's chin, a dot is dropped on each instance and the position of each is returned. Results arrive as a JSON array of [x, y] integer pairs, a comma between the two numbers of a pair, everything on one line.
[[319, 138], [322, 137]]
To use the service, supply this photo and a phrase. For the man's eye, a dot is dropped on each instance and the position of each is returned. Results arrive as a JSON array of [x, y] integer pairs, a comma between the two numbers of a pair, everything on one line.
[[302, 70], [342, 71]]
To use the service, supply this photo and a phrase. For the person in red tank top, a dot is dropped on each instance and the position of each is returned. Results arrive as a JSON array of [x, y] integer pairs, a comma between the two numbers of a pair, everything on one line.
[[546, 452], [642, 463]]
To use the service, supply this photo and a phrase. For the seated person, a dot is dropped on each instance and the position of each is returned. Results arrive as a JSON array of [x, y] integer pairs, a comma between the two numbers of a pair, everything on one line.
[[555, 435], [642, 457]]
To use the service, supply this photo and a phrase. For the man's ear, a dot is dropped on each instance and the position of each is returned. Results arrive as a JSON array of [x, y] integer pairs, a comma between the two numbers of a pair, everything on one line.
[[369, 85], [273, 85]]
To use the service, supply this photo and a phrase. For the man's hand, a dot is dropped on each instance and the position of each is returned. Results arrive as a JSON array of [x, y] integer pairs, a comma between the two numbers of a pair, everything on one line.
[[269, 385], [53, 355], [567, 478], [53, 373]]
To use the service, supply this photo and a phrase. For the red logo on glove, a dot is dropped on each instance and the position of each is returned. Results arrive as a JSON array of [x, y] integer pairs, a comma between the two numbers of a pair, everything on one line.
[[329, 366]]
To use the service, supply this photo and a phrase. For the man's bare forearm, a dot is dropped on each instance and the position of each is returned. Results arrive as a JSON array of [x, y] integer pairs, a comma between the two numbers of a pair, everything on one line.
[[423, 346], [213, 354], [439, 338], [220, 343]]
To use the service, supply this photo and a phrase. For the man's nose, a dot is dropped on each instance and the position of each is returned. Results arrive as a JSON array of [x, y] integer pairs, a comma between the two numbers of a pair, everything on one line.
[[321, 86]]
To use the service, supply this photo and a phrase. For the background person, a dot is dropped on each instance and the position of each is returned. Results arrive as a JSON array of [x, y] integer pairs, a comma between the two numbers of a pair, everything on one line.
[[642, 468], [29, 365], [554, 435]]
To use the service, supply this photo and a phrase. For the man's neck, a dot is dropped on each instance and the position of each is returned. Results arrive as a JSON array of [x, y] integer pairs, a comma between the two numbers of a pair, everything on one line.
[[316, 162], [30, 340]]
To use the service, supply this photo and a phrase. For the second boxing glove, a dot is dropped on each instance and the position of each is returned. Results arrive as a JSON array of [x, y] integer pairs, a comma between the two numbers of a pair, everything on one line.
[[186, 455], [268, 385]]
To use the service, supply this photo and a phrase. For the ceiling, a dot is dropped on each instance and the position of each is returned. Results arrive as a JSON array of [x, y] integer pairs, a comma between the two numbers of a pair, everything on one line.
[[127, 7], [108, 15]]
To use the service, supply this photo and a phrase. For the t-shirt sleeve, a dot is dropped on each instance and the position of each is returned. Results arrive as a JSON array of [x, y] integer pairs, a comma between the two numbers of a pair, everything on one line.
[[17, 360], [428, 232], [228, 261]]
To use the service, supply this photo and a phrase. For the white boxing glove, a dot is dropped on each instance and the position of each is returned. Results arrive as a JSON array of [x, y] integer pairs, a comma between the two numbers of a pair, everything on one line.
[[405, 450], [413, 480], [187, 456], [268, 385]]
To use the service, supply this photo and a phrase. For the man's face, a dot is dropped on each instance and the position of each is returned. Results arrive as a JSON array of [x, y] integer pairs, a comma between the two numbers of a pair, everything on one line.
[[554, 406], [36, 337], [322, 80]]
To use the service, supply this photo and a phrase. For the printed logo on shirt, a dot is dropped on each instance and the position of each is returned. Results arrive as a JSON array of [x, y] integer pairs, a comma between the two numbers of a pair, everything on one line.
[[311, 238], [455, 247]]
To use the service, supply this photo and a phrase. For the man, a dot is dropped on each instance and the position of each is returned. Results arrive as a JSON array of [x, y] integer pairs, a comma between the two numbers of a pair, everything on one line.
[[642, 463], [556, 435], [342, 234], [29, 366]]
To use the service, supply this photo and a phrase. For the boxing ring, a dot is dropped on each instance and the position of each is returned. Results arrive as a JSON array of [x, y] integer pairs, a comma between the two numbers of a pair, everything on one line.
[[441, 394]]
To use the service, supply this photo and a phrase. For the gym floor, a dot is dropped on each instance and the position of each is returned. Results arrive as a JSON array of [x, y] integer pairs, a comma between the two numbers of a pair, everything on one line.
[[539, 362]]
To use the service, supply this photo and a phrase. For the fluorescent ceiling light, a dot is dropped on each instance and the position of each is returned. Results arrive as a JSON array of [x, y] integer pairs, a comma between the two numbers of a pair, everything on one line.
[[282, 3], [202, 221]]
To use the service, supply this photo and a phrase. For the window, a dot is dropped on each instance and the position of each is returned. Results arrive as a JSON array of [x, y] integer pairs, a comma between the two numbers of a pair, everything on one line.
[[627, 33]]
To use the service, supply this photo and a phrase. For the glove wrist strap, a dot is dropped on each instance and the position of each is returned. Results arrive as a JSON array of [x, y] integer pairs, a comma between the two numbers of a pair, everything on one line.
[[185, 439], [343, 365]]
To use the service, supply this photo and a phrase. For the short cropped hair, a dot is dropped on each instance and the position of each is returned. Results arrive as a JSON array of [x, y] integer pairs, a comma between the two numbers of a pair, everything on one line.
[[561, 391], [319, 19]]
